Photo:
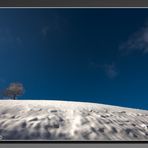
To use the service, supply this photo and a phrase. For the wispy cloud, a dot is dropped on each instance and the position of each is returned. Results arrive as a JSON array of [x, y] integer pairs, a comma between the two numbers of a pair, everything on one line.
[[45, 30], [57, 24], [8, 37], [138, 41], [110, 70], [19, 40]]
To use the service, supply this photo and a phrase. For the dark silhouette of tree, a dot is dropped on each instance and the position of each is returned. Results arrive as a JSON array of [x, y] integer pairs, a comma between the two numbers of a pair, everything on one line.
[[14, 90]]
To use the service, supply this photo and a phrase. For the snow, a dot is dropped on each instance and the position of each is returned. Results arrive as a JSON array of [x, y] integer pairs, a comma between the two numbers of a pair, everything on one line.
[[67, 120]]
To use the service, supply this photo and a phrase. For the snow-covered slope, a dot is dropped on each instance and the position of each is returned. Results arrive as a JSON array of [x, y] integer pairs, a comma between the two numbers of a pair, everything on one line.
[[65, 120]]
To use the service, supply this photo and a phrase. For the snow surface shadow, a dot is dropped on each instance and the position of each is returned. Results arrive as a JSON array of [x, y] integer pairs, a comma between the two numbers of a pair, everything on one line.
[[84, 123]]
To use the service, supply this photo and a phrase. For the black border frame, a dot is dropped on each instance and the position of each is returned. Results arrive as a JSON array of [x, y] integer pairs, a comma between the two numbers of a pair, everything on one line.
[[73, 142], [73, 3], [82, 4]]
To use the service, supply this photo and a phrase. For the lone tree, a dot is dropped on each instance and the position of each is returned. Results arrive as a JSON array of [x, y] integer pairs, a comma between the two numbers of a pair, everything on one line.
[[14, 90]]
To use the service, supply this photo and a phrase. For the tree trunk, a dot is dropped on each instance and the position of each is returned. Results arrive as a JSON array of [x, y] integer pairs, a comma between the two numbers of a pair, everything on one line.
[[14, 97]]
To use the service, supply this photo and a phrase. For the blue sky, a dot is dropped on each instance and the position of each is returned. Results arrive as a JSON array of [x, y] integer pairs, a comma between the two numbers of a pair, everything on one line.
[[90, 55]]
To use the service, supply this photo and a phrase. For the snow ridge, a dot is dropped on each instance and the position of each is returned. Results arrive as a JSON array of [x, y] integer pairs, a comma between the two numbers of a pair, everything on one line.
[[67, 120]]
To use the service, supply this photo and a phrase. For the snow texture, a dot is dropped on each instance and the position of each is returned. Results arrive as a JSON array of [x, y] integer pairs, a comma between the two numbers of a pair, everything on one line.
[[65, 120]]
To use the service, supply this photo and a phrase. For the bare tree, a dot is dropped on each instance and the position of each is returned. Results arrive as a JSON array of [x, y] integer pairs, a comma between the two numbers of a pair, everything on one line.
[[14, 90]]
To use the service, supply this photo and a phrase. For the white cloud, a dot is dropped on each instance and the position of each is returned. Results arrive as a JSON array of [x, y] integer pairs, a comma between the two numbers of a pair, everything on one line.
[[138, 41], [45, 30], [57, 24], [109, 69], [8, 37]]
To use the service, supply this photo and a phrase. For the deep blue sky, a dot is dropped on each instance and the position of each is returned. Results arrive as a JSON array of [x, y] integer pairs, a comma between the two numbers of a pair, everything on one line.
[[92, 55]]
